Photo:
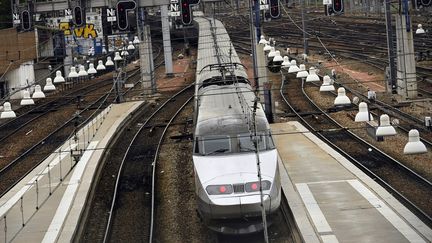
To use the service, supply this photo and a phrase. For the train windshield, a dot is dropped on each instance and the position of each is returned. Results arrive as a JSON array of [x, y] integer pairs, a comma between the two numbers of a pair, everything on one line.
[[216, 145], [222, 144], [246, 142]]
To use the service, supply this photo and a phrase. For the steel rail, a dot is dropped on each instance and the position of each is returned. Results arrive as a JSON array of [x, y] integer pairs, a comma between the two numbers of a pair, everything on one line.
[[420, 213], [117, 183], [11, 165]]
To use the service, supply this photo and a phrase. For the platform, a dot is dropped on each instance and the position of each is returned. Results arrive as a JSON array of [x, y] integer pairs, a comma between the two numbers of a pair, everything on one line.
[[334, 201], [46, 205]]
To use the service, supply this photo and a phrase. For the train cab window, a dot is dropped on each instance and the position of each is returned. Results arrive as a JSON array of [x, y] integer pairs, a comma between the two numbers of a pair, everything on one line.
[[215, 145], [245, 143]]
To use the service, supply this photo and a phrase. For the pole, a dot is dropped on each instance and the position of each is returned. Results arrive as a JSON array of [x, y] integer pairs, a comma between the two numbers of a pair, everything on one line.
[[305, 41], [257, 20], [255, 142], [255, 66], [390, 46], [254, 42], [166, 41]]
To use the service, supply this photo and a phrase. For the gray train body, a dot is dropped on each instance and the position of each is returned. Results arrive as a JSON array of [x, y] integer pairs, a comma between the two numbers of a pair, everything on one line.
[[224, 156]]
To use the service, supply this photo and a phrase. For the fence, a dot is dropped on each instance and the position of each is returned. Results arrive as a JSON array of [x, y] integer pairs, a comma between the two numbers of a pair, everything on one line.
[[20, 208]]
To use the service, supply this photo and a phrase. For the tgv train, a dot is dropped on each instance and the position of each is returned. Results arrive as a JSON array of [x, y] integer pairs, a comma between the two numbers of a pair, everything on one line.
[[224, 156]]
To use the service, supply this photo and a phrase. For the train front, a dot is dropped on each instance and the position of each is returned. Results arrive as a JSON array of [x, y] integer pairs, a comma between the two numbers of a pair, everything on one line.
[[226, 175]]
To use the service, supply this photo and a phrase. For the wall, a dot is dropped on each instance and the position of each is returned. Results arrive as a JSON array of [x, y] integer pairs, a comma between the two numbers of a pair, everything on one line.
[[19, 78], [16, 48]]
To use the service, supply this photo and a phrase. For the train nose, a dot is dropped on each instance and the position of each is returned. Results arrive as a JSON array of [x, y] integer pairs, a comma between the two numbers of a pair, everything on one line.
[[239, 206]]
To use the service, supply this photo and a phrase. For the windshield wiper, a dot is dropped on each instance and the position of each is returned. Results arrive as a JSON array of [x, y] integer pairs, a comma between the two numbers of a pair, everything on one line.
[[222, 150], [246, 149]]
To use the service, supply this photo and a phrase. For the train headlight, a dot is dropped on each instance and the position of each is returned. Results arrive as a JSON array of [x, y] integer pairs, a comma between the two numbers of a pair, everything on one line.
[[219, 189], [254, 186]]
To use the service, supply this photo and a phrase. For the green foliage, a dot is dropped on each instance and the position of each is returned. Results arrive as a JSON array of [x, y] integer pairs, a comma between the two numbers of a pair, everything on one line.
[[5, 14]]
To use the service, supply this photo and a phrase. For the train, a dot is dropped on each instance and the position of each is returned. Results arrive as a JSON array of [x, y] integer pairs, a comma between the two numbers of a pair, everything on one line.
[[231, 134]]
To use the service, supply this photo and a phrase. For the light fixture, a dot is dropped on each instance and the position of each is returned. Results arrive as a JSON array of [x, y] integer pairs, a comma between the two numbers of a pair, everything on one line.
[[7, 111], [117, 57], [136, 40], [267, 48], [363, 113], [49, 86], [131, 46], [302, 73], [124, 53], [385, 129], [109, 62], [414, 145], [91, 69], [420, 29], [277, 59], [286, 63], [59, 78], [272, 53], [26, 100], [327, 85], [73, 73], [100, 66], [38, 94], [342, 99], [312, 77], [82, 72], [262, 41], [293, 67]]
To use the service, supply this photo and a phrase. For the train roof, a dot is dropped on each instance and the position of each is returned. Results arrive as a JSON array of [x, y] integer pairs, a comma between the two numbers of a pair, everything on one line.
[[220, 110], [210, 59]]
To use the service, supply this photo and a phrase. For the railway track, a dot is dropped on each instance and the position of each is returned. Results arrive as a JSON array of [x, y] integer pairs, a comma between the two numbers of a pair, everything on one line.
[[377, 108], [404, 183], [135, 183], [31, 114], [62, 125]]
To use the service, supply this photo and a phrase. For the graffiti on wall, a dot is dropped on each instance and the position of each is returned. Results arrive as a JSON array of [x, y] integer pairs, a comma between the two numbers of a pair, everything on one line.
[[85, 31]]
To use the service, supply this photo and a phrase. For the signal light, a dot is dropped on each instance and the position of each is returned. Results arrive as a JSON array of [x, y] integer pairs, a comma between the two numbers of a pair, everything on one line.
[[186, 12], [254, 186], [219, 189], [78, 16], [26, 20], [274, 8], [338, 7], [123, 8]]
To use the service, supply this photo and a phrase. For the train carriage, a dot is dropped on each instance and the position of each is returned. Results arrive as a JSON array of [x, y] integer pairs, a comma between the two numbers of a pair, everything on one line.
[[225, 156]]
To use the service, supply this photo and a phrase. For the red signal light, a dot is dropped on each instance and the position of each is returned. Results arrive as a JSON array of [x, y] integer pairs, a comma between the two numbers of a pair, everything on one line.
[[123, 7], [338, 6], [186, 10], [222, 189]]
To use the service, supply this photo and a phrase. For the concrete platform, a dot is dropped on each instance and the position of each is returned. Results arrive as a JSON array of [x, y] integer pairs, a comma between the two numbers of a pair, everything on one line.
[[46, 205], [334, 201]]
